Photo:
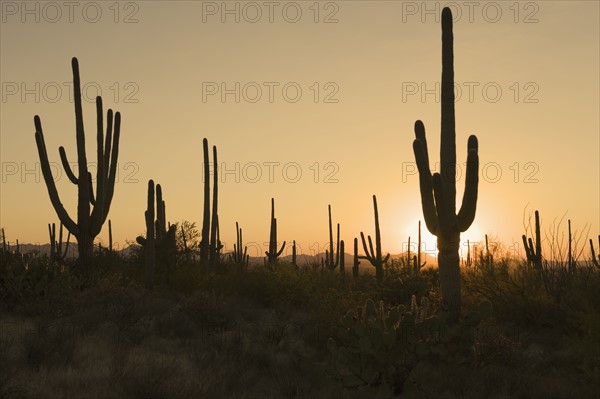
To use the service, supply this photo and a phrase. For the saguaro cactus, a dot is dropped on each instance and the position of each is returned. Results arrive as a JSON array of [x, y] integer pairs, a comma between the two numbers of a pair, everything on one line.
[[375, 255], [356, 259], [239, 256], [89, 221], [438, 191], [210, 245], [273, 254], [294, 260], [534, 255], [159, 242], [333, 258]]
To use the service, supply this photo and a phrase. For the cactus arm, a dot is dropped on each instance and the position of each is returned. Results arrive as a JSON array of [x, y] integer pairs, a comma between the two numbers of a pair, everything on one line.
[[66, 166], [281, 250], [373, 255], [425, 178], [466, 215], [50, 185], [114, 156], [100, 176], [108, 142], [107, 167], [526, 246], [367, 255]]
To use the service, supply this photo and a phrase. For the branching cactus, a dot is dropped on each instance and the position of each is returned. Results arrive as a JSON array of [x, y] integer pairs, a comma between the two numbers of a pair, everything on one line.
[[438, 191], [239, 256], [333, 258], [534, 254], [92, 210], [374, 255], [273, 254]]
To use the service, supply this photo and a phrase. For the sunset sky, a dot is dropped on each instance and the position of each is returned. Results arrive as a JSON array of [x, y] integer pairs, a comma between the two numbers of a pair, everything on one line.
[[327, 96]]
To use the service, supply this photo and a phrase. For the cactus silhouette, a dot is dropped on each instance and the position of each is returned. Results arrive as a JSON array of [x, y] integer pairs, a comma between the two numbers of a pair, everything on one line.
[[438, 191], [595, 259], [239, 256], [417, 265], [356, 259], [294, 260], [89, 219], [210, 245], [159, 241], [374, 255], [534, 254], [341, 258], [333, 259], [273, 254], [56, 253]]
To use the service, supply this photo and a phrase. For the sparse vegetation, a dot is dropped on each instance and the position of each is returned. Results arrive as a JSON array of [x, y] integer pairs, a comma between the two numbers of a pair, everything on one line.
[[172, 318]]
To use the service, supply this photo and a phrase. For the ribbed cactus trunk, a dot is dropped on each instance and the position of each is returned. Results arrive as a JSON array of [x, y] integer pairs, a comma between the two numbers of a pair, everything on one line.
[[438, 191], [89, 220]]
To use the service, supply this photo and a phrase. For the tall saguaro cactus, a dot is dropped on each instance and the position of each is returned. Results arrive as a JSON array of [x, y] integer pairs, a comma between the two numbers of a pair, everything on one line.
[[210, 246], [438, 191], [273, 254], [92, 210], [333, 258]]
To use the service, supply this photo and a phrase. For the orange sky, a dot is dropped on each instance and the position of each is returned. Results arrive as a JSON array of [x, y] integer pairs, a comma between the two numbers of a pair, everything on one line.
[[330, 91]]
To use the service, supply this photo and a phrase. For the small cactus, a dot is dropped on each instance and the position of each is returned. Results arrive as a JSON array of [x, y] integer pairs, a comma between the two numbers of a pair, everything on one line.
[[356, 262], [595, 259], [374, 255], [239, 256], [534, 255], [273, 254]]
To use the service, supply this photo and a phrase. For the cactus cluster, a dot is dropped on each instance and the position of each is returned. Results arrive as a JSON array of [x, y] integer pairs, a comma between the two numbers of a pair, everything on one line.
[[238, 256], [374, 255], [92, 210], [273, 254], [159, 243], [56, 246]]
